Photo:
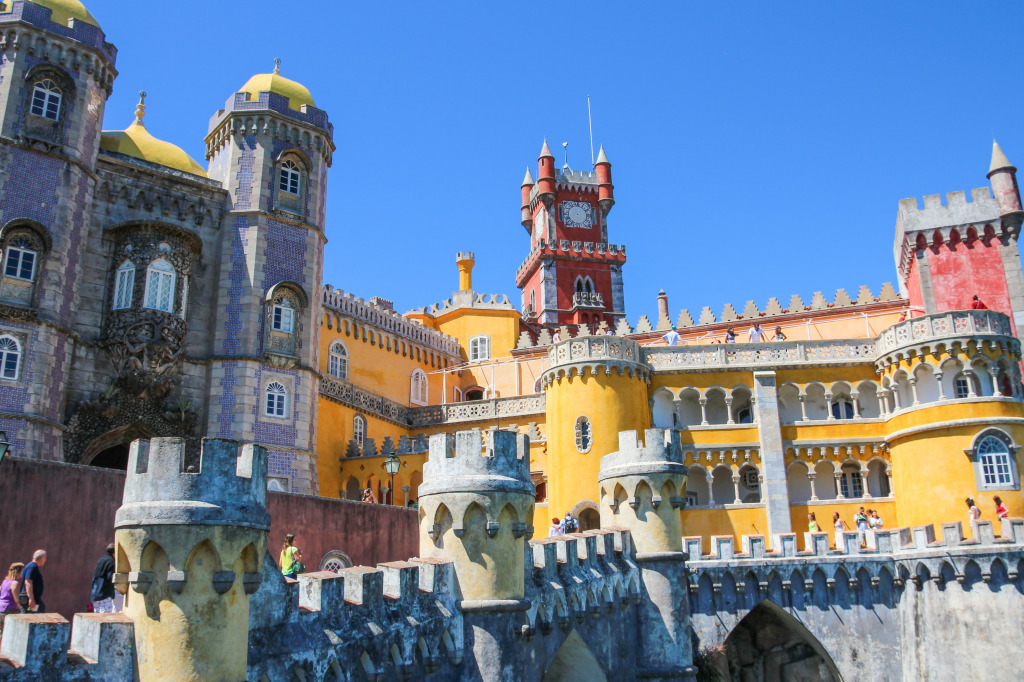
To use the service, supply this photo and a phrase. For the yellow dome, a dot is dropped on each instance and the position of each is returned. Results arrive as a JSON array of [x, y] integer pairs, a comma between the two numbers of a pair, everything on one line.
[[137, 143], [296, 93], [62, 10]]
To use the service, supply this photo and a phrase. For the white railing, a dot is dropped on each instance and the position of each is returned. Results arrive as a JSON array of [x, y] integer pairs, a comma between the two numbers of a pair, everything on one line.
[[587, 299], [479, 410], [853, 351]]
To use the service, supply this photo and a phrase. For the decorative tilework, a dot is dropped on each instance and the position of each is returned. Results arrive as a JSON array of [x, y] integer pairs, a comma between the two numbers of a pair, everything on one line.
[[30, 187], [273, 432], [279, 104], [40, 16], [280, 463], [239, 283], [245, 176], [286, 256], [12, 427], [226, 418]]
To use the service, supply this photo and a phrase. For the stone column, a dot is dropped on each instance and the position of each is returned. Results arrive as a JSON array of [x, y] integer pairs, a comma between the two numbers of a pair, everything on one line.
[[803, 407], [703, 411], [405, 496], [828, 407], [913, 389], [463, 499], [775, 492], [728, 408], [648, 473], [855, 399], [942, 388], [180, 536]]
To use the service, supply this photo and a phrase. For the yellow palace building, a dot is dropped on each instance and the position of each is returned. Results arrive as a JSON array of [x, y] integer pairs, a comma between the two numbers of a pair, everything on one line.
[[905, 400]]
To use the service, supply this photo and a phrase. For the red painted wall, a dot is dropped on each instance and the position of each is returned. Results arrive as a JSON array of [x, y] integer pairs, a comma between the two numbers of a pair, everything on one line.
[[68, 510], [958, 272]]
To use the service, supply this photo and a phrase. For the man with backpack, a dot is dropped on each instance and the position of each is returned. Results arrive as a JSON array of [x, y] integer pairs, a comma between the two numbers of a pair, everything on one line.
[[570, 524], [103, 583]]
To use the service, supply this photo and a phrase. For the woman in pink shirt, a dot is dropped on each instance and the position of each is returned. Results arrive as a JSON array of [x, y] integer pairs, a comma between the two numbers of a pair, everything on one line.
[[10, 591]]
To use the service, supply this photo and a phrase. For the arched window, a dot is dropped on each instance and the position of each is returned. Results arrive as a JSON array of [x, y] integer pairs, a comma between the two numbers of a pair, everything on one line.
[[10, 357], [479, 348], [359, 430], [46, 100], [851, 483], [533, 300], [418, 387], [994, 457], [338, 363], [160, 279], [963, 384], [290, 177], [277, 400], [124, 285], [284, 316], [584, 435], [842, 408]]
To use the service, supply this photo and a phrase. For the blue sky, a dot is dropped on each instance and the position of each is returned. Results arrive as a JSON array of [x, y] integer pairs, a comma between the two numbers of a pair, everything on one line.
[[758, 149]]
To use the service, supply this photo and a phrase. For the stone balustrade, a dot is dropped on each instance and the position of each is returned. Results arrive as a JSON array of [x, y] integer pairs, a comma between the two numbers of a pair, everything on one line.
[[478, 410], [948, 328]]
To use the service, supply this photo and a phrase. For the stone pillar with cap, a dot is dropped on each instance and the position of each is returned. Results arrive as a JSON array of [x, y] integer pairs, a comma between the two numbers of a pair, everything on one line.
[[190, 542], [476, 510], [642, 489]]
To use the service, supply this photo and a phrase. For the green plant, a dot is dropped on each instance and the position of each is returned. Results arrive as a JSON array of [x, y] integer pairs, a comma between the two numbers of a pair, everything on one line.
[[707, 660]]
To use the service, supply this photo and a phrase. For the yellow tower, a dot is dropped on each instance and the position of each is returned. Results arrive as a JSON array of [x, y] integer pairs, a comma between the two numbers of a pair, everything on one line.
[[596, 387], [190, 541], [476, 510]]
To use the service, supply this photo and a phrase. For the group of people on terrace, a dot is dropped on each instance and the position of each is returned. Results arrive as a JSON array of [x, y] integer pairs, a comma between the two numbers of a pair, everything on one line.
[[754, 335], [563, 526]]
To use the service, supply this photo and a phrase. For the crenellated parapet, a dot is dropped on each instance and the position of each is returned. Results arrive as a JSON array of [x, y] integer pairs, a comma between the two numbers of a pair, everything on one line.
[[958, 332], [397, 621], [35, 647], [643, 487], [190, 542], [464, 476], [579, 577]]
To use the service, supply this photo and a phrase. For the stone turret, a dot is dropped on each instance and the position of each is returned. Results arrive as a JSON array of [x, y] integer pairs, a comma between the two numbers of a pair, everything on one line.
[[642, 488], [476, 510], [190, 542]]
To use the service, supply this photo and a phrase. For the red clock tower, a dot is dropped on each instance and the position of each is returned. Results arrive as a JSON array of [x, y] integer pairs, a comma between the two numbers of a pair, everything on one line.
[[572, 274]]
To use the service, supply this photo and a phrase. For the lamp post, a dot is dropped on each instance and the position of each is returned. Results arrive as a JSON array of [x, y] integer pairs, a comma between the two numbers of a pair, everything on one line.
[[391, 465], [4, 446]]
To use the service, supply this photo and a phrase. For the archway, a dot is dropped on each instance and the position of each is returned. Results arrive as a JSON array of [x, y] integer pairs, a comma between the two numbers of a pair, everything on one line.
[[769, 644], [110, 451], [586, 514], [574, 662]]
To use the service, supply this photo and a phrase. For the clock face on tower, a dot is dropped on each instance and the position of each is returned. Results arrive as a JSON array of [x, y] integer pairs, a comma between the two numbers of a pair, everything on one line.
[[577, 214]]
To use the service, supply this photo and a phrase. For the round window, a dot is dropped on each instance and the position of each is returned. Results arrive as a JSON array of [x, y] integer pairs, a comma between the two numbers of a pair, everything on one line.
[[334, 561]]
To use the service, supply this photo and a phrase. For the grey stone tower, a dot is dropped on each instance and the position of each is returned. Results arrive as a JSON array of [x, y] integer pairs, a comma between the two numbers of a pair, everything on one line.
[[56, 72], [271, 148]]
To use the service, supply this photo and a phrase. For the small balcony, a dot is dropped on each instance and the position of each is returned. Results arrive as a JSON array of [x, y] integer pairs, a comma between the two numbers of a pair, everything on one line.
[[587, 299]]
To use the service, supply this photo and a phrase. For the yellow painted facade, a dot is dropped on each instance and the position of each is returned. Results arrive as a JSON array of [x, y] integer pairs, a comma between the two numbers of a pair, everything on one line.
[[850, 429]]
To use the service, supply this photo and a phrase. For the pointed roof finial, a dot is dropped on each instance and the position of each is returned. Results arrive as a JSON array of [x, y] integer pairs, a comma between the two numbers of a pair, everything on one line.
[[546, 150], [277, 66], [528, 180], [140, 109], [601, 158], [999, 160]]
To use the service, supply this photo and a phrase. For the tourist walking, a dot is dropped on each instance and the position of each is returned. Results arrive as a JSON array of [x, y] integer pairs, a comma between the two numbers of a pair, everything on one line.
[[10, 592], [977, 304], [556, 529], [973, 513], [730, 335], [369, 497], [32, 581], [812, 523], [673, 337], [874, 521], [756, 334], [569, 524], [1001, 511], [291, 558], [779, 336], [103, 583]]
